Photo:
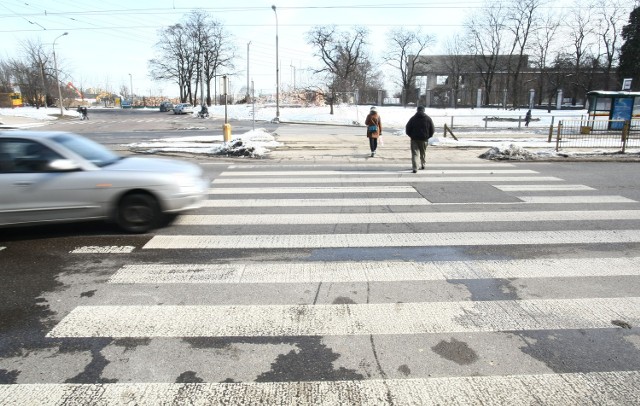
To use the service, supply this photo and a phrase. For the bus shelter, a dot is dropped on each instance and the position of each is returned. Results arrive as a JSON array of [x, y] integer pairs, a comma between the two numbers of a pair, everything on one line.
[[617, 107]]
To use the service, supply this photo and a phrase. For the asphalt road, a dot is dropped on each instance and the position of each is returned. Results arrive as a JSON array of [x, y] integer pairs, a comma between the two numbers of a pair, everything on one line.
[[482, 283]]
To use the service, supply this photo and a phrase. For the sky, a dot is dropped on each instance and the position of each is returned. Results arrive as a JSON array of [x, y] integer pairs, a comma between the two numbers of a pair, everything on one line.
[[110, 39], [110, 42]]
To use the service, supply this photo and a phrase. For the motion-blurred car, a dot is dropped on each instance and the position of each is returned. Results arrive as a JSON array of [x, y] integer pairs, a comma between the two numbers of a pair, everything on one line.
[[55, 177], [166, 106], [183, 108]]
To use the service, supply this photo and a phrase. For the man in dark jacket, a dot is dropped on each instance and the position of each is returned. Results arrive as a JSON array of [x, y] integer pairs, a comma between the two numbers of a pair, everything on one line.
[[419, 128]]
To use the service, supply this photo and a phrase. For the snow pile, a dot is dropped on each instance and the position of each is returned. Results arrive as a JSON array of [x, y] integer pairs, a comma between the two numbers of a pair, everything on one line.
[[253, 144], [511, 153]]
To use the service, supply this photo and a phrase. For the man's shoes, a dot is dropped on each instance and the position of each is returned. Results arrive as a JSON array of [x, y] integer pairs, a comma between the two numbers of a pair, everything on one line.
[[372, 154], [422, 167], [414, 171]]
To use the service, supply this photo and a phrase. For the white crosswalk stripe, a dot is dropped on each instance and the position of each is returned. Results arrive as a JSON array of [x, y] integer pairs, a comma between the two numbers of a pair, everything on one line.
[[399, 218], [379, 173], [595, 388], [311, 190], [357, 319], [407, 201], [389, 271], [400, 178], [258, 241], [273, 296], [545, 188]]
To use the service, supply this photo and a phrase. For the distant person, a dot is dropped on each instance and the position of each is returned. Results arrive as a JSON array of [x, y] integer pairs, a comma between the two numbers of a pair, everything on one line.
[[419, 128], [374, 129], [527, 118], [84, 115], [204, 111]]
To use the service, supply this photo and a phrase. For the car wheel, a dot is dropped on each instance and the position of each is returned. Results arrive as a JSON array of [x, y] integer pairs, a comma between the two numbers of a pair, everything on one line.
[[138, 213]]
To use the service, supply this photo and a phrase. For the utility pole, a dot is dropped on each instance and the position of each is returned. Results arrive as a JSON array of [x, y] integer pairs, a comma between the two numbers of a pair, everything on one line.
[[294, 77], [277, 69], [55, 63], [248, 91]]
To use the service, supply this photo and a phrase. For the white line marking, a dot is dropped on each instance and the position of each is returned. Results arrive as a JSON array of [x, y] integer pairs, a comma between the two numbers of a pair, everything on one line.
[[399, 218], [346, 319], [379, 271], [309, 190], [379, 173], [592, 388], [376, 165], [316, 202], [393, 240], [522, 188], [1, 248], [405, 178], [575, 199], [93, 249]]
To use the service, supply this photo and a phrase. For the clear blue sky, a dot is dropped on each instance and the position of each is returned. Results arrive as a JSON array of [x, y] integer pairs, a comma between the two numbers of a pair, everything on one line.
[[110, 39]]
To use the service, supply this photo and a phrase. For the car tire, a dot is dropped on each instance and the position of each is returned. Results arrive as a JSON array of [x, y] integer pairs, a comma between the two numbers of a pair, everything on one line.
[[138, 213]]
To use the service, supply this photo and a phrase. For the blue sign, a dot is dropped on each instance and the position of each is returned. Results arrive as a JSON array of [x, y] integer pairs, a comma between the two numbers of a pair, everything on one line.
[[622, 110]]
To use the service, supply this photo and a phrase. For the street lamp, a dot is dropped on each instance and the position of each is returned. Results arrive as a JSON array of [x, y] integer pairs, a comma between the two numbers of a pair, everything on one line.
[[131, 88], [55, 63], [294, 77], [277, 68], [248, 90]]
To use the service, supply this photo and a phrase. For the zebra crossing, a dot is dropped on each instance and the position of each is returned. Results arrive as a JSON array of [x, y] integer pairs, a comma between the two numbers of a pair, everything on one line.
[[360, 287]]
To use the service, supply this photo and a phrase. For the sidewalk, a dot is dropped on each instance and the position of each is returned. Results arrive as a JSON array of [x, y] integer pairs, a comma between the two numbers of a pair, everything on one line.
[[348, 148], [17, 122]]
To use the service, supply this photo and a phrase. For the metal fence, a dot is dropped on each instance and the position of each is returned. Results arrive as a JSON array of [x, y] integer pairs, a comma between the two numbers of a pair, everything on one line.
[[611, 134]]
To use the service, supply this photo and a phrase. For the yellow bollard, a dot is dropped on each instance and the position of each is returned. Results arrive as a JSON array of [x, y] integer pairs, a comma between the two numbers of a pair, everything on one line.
[[226, 132]]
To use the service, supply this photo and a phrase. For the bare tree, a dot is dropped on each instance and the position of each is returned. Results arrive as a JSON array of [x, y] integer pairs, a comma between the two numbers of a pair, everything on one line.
[[485, 34], [172, 63], [522, 21], [342, 53], [457, 63], [403, 53], [5, 77], [544, 53], [581, 39], [199, 46], [218, 52], [610, 19]]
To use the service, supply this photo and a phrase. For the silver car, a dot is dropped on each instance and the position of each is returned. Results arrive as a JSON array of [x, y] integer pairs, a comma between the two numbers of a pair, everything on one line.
[[50, 177], [183, 108]]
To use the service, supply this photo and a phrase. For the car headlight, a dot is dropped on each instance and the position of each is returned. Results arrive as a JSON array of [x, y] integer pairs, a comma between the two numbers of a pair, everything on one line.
[[188, 184]]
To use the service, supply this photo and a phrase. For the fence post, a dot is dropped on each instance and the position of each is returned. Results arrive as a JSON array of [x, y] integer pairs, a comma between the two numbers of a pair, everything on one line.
[[550, 133], [451, 122], [625, 134], [559, 135], [486, 121], [519, 122]]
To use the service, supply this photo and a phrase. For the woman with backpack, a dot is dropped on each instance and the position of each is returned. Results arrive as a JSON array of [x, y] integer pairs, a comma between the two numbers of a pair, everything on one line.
[[374, 129]]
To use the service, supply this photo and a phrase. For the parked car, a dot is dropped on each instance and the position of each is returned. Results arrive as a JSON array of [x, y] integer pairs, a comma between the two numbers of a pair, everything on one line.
[[56, 177], [183, 108], [166, 106]]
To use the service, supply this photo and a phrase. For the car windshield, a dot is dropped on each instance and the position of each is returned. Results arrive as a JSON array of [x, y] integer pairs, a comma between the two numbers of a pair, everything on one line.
[[89, 150]]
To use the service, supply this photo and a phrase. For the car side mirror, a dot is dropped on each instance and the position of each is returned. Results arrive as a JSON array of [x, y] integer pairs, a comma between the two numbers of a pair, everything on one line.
[[63, 165]]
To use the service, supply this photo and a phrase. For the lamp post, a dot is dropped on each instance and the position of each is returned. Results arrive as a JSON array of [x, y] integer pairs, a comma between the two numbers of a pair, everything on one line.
[[131, 88], [248, 90], [294, 77], [55, 63], [277, 68]]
